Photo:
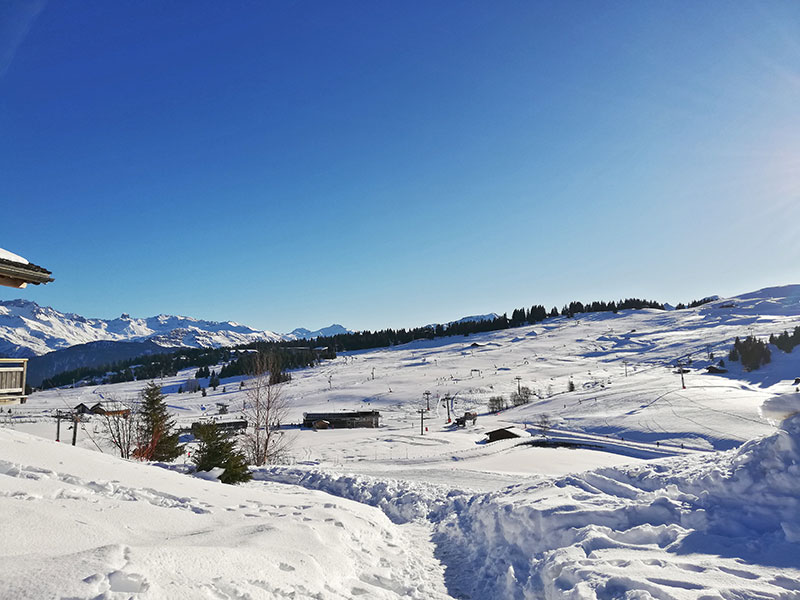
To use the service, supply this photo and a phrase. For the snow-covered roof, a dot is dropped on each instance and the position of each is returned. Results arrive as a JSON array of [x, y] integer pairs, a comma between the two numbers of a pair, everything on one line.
[[6, 255], [513, 430], [16, 271], [110, 406]]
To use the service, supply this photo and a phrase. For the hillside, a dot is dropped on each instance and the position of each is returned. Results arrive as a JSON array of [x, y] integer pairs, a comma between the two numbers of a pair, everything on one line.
[[641, 488]]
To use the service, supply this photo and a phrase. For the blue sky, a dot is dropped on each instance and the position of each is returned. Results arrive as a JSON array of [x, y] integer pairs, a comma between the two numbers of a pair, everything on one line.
[[379, 164]]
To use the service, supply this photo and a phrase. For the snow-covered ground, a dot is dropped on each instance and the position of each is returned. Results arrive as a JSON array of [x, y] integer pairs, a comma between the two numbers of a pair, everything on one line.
[[660, 499], [80, 524]]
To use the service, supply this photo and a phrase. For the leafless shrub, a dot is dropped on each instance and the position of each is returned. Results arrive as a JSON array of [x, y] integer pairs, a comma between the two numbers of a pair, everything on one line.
[[265, 408], [121, 428]]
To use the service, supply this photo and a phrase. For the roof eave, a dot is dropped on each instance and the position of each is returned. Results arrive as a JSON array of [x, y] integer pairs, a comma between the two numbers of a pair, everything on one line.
[[18, 275]]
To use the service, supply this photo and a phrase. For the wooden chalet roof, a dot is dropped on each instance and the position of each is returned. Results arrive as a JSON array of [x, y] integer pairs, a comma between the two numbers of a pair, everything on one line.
[[19, 274]]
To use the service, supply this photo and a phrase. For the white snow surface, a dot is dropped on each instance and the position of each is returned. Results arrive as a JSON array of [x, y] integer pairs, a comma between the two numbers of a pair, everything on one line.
[[80, 524], [671, 493]]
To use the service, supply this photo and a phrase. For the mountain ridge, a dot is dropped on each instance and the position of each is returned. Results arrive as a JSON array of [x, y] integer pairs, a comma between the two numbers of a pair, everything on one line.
[[28, 329]]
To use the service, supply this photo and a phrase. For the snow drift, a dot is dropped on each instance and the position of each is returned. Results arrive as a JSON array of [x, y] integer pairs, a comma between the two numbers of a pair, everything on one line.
[[724, 525]]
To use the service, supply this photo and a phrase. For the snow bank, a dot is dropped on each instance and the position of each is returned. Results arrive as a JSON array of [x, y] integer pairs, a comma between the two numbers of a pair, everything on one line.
[[80, 524], [401, 501], [724, 525], [781, 407]]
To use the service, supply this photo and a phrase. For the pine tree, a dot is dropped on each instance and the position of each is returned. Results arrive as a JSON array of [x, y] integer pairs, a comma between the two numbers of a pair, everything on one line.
[[217, 449], [157, 438]]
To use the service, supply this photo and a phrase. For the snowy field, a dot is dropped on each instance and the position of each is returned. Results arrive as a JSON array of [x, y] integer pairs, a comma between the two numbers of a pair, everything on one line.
[[661, 499]]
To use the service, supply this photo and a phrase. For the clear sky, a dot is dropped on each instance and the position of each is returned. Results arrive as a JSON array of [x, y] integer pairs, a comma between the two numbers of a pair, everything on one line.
[[378, 164]]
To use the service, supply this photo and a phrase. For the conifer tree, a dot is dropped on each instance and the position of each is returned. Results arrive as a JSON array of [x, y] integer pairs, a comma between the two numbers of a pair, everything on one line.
[[217, 449], [157, 438]]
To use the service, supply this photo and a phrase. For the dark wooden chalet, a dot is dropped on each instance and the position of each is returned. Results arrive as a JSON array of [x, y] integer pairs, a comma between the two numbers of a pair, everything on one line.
[[231, 426], [505, 433], [343, 420], [111, 408]]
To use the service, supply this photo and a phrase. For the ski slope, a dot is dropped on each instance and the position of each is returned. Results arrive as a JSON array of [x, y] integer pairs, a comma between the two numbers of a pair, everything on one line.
[[662, 495]]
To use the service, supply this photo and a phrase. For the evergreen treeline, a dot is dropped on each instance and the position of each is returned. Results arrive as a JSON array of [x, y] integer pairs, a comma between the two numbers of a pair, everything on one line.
[[694, 303], [786, 341], [573, 308], [752, 352], [143, 367], [282, 357], [237, 362], [362, 340]]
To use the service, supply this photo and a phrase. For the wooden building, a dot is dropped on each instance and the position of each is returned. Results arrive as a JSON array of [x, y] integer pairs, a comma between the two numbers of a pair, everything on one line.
[[506, 433], [110, 408], [12, 380], [343, 420], [16, 272], [231, 426]]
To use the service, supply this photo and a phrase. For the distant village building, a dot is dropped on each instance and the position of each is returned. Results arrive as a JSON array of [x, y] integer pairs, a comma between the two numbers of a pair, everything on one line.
[[234, 426], [111, 408], [343, 420], [467, 416], [82, 409]]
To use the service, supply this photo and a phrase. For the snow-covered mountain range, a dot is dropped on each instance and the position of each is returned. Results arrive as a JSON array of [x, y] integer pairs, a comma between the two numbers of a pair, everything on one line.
[[27, 330]]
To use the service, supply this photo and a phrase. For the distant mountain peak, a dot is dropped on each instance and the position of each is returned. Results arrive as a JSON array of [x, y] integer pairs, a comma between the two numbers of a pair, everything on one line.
[[27, 329], [301, 333]]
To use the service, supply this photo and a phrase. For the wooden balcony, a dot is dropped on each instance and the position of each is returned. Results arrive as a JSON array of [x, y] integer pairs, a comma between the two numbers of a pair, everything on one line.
[[12, 380]]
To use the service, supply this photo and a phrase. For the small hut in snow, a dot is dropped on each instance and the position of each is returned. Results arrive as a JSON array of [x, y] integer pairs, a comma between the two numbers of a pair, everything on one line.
[[506, 433]]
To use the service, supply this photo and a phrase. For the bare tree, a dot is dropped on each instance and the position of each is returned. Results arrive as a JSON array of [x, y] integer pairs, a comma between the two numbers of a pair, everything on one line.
[[497, 403], [265, 408], [121, 428], [543, 423]]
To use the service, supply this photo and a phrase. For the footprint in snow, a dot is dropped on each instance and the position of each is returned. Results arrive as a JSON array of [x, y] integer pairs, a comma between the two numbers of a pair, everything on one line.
[[130, 583]]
